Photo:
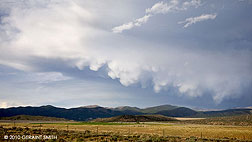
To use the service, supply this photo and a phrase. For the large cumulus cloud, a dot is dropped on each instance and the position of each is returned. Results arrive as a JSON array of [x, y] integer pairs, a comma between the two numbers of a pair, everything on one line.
[[70, 32]]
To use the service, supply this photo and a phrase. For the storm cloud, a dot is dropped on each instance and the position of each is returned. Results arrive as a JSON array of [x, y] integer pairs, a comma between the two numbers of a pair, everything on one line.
[[80, 36]]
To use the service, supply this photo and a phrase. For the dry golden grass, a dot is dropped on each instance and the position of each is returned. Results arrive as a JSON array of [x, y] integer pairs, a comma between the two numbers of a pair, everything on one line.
[[184, 118], [169, 129]]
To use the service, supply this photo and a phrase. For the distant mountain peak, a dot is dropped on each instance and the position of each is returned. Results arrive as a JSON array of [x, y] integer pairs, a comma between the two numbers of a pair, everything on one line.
[[122, 107], [90, 106], [156, 109], [248, 107], [48, 106]]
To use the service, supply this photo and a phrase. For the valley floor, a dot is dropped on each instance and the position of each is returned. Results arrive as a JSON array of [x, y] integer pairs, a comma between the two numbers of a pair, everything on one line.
[[170, 131]]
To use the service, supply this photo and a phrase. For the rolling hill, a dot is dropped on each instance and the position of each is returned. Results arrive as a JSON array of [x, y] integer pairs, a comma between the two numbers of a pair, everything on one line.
[[157, 109], [78, 114], [228, 112], [92, 112], [149, 110], [239, 120], [33, 118], [178, 112], [136, 118]]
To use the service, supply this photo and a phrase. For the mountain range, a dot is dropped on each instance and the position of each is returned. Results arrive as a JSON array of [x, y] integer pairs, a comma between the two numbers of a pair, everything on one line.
[[91, 112]]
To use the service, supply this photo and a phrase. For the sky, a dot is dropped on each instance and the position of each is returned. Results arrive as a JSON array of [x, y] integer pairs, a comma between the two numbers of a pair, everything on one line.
[[71, 53]]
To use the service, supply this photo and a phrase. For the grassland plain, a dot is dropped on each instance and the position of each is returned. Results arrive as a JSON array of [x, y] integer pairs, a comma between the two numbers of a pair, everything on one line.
[[240, 120], [94, 131]]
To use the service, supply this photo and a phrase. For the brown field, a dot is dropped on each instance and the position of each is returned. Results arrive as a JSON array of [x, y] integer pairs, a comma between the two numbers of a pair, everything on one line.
[[158, 129], [184, 118], [239, 120]]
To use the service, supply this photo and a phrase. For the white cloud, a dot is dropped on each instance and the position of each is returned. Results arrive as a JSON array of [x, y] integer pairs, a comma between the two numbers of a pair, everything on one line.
[[193, 20], [158, 8], [193, 3], [70, 33], [3, 105], [123, 27], [162, 7], [130, 25], [142, 20], [12, 103]]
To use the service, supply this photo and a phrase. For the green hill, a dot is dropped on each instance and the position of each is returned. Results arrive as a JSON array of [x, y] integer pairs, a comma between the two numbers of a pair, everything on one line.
[[179, 112], [127, 108], [33, 118], [136, 118], [78, 114], [157, 109]]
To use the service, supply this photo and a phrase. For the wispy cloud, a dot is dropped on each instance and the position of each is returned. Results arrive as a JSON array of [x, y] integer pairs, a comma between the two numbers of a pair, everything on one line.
[[193, 3], [193, 20], [158, 8], [47, 77], [162, 7], [137, 22]]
